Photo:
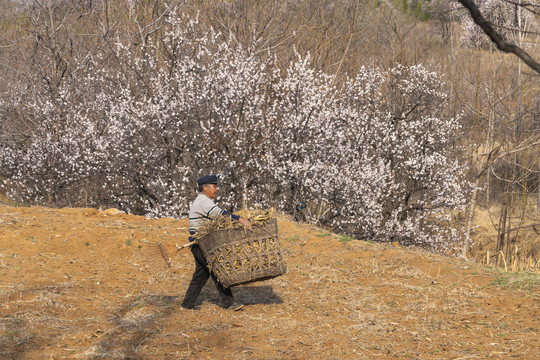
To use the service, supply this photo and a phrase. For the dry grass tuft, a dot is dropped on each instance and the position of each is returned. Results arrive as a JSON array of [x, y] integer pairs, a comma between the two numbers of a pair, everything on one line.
[[525, 251]]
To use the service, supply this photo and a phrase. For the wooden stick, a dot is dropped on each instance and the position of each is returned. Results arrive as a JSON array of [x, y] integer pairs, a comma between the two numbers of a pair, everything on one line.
[[504, 259], [185, 245]]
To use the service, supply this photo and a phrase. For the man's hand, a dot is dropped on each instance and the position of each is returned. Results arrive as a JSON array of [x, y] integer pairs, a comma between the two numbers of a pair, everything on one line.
[[245, 222]]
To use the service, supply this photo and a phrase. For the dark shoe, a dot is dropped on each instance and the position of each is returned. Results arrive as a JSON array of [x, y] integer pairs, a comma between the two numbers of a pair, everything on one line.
[[190, 307], [236, 306]]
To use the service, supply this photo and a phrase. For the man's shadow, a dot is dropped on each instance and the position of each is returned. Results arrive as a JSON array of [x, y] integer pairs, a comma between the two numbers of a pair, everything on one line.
[[137, 320], [247, 295]]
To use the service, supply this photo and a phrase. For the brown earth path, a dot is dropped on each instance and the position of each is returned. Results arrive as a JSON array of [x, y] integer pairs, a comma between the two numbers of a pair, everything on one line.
[[76, 284]]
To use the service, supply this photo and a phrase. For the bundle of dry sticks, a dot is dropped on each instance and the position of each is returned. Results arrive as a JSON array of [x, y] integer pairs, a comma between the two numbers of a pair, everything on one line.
[[257, 218]]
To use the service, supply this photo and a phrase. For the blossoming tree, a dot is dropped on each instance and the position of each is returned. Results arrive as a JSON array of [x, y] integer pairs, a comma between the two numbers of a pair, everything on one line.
[[373, 156]]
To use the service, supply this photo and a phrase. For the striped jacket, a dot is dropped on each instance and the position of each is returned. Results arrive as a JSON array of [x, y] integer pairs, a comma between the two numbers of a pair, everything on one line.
[[202, 209]]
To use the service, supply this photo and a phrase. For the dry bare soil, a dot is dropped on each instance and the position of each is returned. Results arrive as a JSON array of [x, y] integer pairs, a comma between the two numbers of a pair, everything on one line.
[[77, 284]]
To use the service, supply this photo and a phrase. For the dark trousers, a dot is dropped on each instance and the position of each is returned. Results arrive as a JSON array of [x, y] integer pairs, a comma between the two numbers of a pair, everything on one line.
[[200, 276]]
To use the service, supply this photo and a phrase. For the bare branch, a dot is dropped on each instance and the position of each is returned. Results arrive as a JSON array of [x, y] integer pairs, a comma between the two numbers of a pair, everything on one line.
[[497, 38], [514, 29], [526, 6], [534, 226]]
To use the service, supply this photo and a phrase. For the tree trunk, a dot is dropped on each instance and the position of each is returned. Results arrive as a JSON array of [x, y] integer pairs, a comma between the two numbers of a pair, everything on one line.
[[538, 199], [470, 215]]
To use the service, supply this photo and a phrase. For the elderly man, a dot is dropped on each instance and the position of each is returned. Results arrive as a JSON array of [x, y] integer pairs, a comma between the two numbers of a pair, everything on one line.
[[202, 209]]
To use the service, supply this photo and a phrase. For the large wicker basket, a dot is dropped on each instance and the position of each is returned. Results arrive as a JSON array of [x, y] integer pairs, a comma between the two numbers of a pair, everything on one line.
[[240, 256]]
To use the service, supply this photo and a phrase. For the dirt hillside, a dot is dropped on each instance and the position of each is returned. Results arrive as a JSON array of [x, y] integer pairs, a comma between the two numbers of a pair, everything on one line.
[[77, 284]]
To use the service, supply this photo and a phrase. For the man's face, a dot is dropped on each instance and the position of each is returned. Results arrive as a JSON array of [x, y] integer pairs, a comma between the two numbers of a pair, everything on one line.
[[210, 190]]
